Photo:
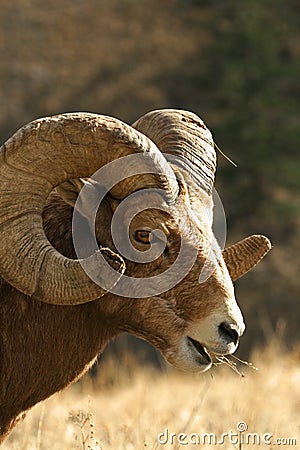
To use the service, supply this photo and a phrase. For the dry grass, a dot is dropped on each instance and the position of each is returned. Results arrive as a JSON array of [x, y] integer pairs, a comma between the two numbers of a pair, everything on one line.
[[130, 415]]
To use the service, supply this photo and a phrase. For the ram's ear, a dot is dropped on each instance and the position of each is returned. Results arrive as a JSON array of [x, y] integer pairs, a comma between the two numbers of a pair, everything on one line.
[[245, 254], [89, 198]]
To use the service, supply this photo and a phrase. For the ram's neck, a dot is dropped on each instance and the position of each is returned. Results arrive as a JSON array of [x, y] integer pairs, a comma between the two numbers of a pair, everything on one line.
[[44, 348]]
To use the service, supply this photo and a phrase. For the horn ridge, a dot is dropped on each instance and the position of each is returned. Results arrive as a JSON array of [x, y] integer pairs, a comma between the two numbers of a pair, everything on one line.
[[186, 140]]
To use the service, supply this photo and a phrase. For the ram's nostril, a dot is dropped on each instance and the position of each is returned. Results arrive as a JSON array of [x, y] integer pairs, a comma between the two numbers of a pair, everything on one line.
[[228, 332]]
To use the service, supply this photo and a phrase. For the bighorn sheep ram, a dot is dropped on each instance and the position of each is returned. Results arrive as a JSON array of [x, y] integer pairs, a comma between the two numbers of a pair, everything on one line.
[[55, 319]]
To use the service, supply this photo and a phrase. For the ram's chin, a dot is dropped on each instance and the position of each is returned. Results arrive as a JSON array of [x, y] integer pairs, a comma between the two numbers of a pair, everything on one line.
[[190, 356]]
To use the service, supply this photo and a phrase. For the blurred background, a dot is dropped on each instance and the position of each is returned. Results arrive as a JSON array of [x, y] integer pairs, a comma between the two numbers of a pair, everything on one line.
[[235, 63]]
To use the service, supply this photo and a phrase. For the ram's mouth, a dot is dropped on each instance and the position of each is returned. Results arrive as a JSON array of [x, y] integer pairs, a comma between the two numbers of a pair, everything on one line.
[[201, 350]]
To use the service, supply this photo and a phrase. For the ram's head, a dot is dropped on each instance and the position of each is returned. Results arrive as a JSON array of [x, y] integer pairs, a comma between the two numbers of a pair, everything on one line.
[[142, 228]]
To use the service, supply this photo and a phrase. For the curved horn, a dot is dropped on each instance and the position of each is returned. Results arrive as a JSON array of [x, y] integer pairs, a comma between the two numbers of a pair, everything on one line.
[[187, 140], [245, 254], [39, 157]]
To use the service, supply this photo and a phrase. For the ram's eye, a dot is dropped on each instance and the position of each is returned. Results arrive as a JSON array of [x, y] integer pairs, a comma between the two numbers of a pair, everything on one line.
[[142, 236]]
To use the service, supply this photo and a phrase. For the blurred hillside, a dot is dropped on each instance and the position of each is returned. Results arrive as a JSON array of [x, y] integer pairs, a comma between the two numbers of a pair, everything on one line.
[[234, 63]]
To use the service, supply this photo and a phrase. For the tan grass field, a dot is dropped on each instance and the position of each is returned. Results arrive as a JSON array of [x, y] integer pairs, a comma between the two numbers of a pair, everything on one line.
[[129, 412]]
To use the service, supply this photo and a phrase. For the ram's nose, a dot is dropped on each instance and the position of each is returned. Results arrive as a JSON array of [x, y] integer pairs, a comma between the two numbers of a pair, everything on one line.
[[229, 333]]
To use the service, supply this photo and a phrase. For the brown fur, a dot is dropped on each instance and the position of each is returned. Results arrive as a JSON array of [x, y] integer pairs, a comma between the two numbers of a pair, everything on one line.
[[43, 347]]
